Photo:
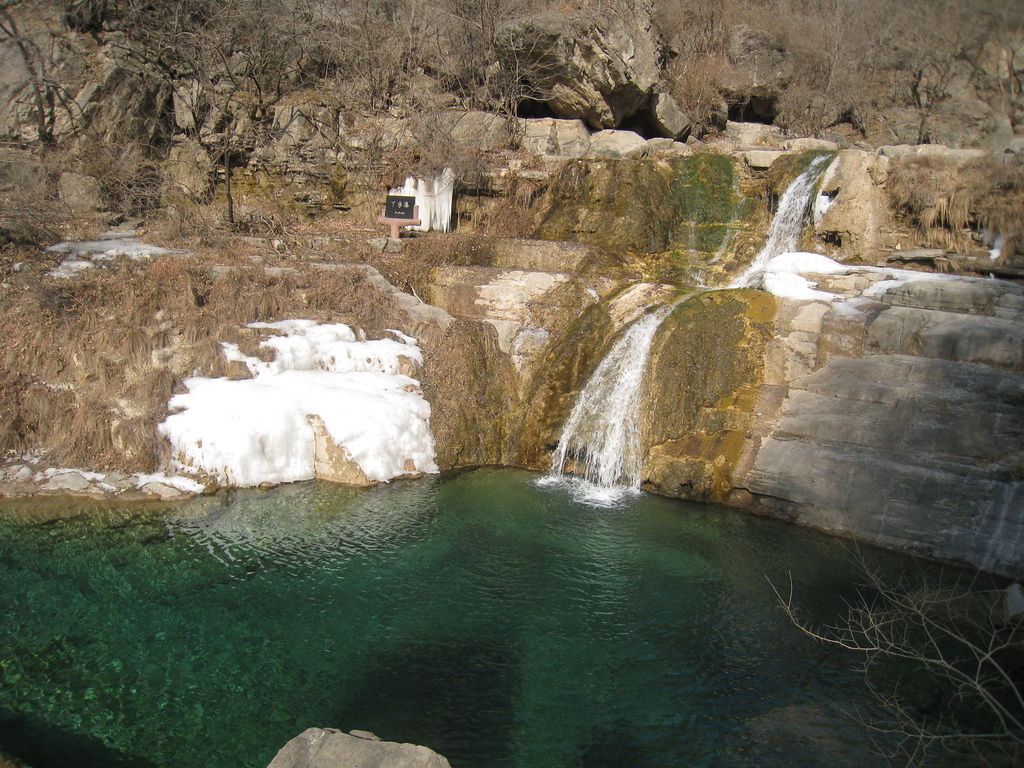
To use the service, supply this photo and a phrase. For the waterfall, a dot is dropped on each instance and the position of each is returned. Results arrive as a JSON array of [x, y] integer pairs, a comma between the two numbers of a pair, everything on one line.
[[601, 439], [788, 224]]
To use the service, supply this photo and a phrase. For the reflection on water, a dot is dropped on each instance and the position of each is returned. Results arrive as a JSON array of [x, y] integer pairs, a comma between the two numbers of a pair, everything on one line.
[[500, 623]]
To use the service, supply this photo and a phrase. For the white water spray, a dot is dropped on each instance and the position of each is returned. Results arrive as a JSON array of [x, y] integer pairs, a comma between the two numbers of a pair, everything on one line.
[[788, 224], [601, 439]]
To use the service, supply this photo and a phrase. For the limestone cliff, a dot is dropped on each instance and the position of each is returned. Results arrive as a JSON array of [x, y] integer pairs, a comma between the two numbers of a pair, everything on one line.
[[892, 414]]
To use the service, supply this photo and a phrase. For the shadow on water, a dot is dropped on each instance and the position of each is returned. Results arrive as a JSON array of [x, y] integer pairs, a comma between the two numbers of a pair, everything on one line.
[[412, 695], [42, 745]]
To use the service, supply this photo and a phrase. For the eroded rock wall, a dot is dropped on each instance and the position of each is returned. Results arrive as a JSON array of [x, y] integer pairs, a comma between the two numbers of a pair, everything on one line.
[[892, 414]]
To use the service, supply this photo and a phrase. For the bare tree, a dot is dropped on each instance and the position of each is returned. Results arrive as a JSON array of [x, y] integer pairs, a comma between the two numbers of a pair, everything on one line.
[[236, 59], [957, 638], [48, 95]]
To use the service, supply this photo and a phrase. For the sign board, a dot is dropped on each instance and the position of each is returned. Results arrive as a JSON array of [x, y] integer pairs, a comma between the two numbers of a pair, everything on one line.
[[399, 207]]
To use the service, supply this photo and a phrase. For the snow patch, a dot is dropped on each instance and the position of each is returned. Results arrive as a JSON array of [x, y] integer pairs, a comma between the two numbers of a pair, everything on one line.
[[792, 286], [178, 482], [91, 253], [107, 250], [253, 431], [402, 337], [783, 275], [70, 268]]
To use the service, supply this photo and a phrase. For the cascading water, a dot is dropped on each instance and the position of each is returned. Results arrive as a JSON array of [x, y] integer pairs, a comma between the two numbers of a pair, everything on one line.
[[788, 224], [601, 439]]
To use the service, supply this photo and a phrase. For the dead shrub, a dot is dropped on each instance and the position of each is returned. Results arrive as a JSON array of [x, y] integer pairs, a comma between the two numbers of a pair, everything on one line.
[[950, 202], [184, 219], [696, 84], [513, 214], [135, 444], [697, 33], [412, 273], [349, 294], [30, 213], [130, 176]]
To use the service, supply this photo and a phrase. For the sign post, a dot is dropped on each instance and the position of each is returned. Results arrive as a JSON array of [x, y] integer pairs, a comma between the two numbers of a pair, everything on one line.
[[400, 211]]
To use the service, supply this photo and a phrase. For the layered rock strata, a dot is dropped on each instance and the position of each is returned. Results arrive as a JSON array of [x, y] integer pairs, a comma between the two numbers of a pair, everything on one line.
[[891, 413]]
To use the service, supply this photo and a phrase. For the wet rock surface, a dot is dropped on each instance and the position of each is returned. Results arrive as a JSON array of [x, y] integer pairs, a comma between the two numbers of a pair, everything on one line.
[[31, 476], [892, 413]]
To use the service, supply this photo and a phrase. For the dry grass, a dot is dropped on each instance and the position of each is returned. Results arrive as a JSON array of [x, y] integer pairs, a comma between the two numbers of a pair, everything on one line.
[[950, 201], [87, 365], [411, 271]]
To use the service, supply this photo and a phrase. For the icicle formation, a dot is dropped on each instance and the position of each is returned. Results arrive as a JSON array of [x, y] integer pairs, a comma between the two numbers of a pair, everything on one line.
[[602, 436], [434, 198], [788, 224]]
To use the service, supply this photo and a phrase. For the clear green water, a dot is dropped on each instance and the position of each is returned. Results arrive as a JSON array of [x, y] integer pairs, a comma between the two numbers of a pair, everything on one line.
[[495, 621]]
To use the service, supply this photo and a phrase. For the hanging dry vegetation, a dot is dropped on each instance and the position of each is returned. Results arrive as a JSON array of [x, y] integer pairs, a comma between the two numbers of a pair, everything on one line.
[[951, 201]]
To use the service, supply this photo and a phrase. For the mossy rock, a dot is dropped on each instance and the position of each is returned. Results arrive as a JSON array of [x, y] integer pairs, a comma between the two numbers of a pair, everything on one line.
[[702, 389], [686, 204]]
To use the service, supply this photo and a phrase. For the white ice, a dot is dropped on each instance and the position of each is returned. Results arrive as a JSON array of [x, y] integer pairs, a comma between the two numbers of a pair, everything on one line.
[[254, 431], [823, 200], [87, 254], [434, 198]]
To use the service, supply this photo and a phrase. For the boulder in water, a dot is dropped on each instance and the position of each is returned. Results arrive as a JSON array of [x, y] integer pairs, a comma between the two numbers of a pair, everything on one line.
[[330, 748]]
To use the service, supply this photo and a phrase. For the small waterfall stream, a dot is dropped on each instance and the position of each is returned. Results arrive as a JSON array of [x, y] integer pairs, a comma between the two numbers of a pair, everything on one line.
[[788, 223], [601, 439]]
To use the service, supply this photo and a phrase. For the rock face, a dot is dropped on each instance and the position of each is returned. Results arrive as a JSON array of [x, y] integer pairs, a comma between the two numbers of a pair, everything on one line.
[[960, 117], [81, 194], [647, 206], [892, 413], [761, 68], [616, 144], [852, 211], [524, 307], [668, 117], [330, 748], [188, 171], [331, 461], [560, 138], [510, 315], [599, 66]]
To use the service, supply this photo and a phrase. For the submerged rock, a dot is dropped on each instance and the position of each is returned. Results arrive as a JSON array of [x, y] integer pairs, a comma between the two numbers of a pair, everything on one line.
[[330, 748]]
